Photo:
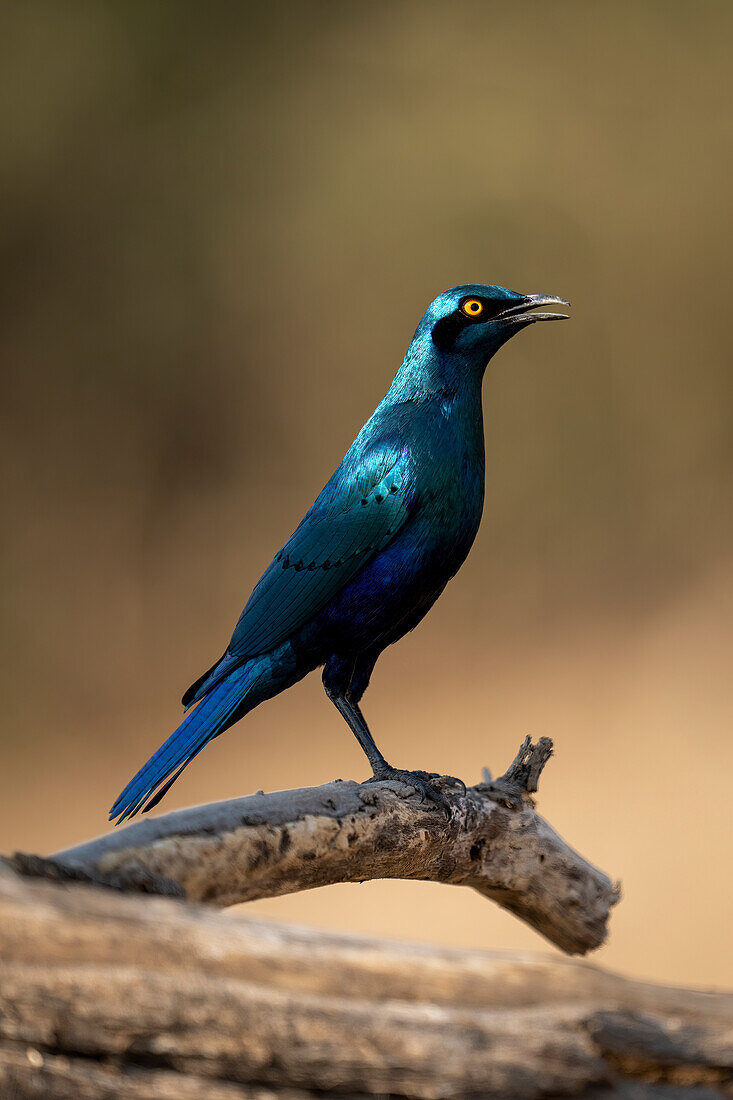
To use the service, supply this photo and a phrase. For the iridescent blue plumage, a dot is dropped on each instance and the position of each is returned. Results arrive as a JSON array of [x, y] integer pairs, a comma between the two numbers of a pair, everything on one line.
[[392, 525]]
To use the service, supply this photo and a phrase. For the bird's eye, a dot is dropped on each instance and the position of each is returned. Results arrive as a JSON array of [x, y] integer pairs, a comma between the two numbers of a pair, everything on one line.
[[472, 307]]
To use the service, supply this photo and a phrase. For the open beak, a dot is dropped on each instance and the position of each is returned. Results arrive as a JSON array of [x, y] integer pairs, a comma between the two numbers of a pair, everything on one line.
[[520, 314]]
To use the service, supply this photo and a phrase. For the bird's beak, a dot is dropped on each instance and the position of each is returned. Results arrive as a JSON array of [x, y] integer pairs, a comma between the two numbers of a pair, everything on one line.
[[520, 314]]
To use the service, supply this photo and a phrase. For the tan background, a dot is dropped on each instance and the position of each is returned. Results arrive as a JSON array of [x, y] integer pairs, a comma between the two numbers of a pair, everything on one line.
[[218, 230]]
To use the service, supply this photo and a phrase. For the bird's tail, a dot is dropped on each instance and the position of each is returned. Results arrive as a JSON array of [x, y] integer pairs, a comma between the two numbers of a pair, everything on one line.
[[239, 693]]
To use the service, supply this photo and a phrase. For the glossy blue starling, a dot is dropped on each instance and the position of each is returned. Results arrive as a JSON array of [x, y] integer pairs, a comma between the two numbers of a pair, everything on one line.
[[388, 531]]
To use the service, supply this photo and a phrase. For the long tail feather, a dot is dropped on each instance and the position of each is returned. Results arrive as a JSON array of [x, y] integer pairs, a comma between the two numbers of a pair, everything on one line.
[[199, 727]]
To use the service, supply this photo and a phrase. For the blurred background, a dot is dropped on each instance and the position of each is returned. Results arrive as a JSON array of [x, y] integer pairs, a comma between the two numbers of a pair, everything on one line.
[[219, 226]]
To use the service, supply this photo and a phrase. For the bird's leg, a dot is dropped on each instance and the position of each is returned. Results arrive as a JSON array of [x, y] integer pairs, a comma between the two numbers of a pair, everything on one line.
[[360, 729], [363, 669], [337, 675]]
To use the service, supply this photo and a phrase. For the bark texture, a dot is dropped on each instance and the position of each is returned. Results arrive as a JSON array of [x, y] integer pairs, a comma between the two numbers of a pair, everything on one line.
[[270, 844], [119, 997]]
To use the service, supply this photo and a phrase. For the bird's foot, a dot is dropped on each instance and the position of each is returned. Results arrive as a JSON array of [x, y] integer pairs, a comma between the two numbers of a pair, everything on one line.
[[422, 782]]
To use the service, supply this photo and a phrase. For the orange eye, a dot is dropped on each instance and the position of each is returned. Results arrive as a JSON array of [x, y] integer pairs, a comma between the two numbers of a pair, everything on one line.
[[472, 307]]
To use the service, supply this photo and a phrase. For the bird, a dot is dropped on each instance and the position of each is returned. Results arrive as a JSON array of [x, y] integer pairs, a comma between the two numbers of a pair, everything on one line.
[[390, 528]]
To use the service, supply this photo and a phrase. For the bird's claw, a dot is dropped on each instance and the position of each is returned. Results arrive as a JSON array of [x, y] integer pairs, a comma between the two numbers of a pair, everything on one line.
[[420, 781]]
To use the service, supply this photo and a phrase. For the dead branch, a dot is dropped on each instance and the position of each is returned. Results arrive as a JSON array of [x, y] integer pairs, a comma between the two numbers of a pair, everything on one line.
[[105, 996], [280, 843]]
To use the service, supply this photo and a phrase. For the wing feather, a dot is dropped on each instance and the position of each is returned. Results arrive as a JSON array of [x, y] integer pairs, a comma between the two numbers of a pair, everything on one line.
[[353, 518]]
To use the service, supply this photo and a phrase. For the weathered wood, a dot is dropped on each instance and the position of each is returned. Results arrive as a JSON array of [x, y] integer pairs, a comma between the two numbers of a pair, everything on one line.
[[110, 995], [271, 844], [28, 1074]]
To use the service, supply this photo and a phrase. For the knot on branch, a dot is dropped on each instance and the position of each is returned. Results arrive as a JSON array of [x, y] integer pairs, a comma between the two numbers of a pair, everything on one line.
[[526, 767], [523, 774]]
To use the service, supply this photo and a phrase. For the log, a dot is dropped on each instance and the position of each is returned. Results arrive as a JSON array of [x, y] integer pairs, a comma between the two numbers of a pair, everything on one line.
[[492, 840], [114, 996]]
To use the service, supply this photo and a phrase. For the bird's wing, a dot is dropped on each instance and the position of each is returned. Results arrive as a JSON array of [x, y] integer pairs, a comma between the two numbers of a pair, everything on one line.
[[353, 518]]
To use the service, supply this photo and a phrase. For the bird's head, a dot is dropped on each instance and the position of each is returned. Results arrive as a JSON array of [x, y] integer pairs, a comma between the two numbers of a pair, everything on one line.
[[472, 322], [461, 330]]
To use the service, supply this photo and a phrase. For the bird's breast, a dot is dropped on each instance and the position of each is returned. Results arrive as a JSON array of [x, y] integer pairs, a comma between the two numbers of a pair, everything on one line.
[[451, 509]]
